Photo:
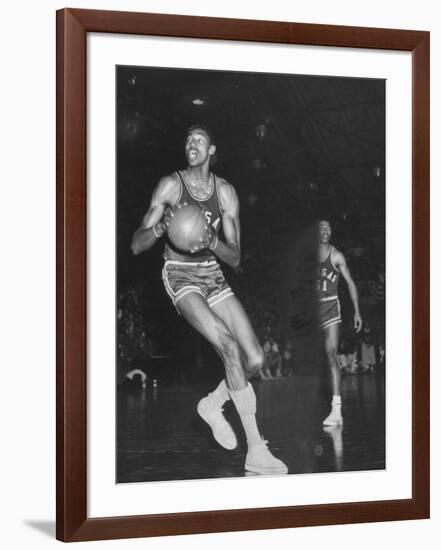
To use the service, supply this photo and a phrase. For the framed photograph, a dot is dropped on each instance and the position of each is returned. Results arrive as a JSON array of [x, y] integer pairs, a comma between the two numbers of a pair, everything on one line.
[[242, 275]]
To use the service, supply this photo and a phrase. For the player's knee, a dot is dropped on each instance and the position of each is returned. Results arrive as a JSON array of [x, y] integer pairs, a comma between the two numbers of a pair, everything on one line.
[[257, 360], [229, 350]]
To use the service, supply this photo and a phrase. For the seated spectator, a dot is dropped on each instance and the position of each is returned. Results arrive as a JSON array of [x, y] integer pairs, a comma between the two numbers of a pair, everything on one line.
[[276, 360], [341, 355], [368, 358], [288, 360], [351, 355], [265, 372], [382, 354]]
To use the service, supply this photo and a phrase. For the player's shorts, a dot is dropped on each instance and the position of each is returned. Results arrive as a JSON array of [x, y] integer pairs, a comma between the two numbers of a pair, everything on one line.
[[204, 278], [329, 312]]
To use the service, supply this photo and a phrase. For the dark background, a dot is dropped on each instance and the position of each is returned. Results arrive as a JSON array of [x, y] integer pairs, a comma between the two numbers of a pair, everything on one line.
[[297, 149]]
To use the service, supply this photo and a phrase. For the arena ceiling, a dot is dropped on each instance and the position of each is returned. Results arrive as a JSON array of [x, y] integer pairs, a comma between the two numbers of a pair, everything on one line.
[[313, 146]]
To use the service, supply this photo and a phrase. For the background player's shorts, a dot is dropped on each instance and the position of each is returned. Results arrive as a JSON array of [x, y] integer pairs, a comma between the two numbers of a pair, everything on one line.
[[204, 278], [329, 312]]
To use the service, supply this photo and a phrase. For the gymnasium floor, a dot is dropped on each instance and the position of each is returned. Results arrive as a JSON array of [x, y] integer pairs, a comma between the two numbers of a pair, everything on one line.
[[160, 436]]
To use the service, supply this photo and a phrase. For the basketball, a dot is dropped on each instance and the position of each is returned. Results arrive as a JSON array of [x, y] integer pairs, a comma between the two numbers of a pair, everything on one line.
[[186, 227]]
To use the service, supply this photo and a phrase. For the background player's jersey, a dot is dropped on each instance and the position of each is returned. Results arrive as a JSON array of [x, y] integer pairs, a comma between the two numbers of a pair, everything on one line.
[[327, 278], [213, 216]]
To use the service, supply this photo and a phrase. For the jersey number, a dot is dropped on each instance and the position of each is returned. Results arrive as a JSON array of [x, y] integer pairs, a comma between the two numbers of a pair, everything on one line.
[[208, 216], [322, 287]]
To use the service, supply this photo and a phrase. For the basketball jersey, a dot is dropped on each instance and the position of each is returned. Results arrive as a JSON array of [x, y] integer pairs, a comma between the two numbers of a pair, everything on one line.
[[327, 278], [213, 215]]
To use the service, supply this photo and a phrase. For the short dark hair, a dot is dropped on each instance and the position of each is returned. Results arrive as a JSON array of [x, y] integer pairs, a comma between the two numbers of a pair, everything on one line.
[[204, 129]]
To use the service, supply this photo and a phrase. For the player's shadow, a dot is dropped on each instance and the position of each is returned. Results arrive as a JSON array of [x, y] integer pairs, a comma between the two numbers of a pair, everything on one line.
[[46, 527]]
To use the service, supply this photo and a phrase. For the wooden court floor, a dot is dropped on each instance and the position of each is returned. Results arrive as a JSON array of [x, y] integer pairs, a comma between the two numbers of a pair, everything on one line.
[[160, 436]]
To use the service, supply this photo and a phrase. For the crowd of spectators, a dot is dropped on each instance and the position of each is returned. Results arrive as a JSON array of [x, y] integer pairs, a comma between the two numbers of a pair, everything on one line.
[[363, 352], [257, 283], [257, 286], [357, 353], [134, 345]]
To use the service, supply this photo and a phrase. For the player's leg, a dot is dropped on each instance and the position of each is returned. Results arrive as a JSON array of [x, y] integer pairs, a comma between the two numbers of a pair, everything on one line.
[[195, 310], [235, 317], [231, 311], [259, 459], [331, 336]]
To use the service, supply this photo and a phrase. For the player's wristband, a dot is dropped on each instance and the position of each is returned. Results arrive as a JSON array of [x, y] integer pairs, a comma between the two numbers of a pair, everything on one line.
[[154, 232]]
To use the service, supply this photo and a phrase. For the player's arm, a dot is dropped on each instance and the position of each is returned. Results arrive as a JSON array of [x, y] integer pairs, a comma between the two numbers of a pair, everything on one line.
[[154, 223], [340, 263], [228, 251]]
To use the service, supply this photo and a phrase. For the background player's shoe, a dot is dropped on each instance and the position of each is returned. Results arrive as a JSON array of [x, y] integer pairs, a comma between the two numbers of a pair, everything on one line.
[[334, 418], [260, 460], [210, 411]]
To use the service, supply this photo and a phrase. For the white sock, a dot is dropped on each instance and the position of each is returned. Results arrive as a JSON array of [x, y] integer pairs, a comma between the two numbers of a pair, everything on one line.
[[245, 402], [221, 393], [336, 403]]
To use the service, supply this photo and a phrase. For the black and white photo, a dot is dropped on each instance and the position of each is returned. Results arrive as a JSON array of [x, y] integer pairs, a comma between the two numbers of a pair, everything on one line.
[[250, 262]]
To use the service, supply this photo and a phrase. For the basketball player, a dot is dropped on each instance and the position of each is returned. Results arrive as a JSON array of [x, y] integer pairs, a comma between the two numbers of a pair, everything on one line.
[[197, 287], [332, 264]]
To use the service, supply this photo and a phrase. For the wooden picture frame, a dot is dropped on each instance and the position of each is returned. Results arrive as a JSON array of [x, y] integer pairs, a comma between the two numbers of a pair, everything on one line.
[[73, 524]]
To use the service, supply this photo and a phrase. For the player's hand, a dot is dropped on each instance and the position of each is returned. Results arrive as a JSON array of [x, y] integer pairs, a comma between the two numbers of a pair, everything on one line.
[[167, 217], [358, 322], [161, 227], [203, 242]]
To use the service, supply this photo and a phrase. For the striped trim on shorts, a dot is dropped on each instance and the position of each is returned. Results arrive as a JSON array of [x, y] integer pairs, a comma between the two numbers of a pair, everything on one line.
[[329, 311], [204, 278]]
